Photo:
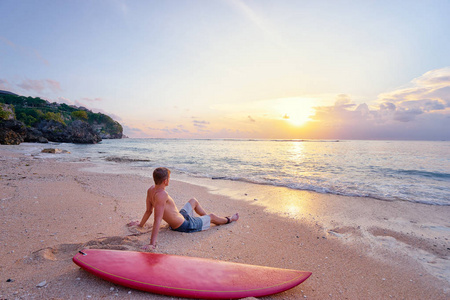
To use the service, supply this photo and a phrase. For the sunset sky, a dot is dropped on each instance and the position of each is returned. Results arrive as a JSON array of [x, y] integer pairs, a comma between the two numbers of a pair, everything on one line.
[[238, 69]]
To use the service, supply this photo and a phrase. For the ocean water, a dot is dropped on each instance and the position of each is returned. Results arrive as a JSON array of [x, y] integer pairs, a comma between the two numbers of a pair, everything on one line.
[[415, 171]]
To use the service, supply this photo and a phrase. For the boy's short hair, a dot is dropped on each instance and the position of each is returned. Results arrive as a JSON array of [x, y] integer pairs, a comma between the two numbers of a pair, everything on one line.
[[160, 174]]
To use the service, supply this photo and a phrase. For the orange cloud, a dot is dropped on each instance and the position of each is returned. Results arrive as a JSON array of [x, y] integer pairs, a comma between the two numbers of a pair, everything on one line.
[[420, 111]]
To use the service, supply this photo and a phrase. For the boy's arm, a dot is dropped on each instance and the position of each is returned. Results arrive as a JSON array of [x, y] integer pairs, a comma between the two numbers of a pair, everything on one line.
[[160, 203], [148, 210], [147, 214]]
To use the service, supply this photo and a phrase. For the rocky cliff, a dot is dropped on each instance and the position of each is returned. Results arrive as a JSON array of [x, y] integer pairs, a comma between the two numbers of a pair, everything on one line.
[[27, 119]]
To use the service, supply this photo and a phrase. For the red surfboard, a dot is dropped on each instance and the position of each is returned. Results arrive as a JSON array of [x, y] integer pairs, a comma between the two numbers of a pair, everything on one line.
[[189, 277]]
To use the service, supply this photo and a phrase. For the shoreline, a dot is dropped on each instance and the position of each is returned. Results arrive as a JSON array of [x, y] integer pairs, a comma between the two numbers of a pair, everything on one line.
[[52, 209], [413, 180]]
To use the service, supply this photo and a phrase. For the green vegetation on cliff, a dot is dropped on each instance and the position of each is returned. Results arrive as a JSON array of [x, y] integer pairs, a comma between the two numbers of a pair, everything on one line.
[[4, 114], [31, 111]]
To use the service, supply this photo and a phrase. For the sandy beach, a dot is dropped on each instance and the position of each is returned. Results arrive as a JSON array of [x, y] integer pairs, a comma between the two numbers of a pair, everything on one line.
[[355, 248]]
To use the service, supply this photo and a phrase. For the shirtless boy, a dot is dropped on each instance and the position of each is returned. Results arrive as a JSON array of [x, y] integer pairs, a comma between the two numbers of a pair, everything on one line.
[[159, 201]]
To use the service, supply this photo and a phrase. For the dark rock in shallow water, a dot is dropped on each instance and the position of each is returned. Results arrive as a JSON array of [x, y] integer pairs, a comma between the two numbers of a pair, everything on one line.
[[125, 159], [54, 151], [12, 132]]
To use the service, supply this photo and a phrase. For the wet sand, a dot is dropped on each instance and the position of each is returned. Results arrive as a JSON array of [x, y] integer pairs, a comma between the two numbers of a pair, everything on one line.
[[357, 248]]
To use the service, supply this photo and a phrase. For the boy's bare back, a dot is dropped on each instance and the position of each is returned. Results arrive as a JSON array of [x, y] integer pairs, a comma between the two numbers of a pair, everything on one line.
[[171, 215]]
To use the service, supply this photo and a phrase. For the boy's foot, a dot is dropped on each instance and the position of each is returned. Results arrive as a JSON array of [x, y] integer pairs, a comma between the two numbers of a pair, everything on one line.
[[133, 223], [235, 217]]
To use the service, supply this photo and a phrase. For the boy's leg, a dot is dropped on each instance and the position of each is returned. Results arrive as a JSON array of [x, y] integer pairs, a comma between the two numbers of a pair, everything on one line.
[[221, 220], [214, 218], [197, 207]]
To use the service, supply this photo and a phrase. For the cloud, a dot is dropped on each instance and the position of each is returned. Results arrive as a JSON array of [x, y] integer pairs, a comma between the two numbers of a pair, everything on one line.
[[53, 85], [420, 110], [436, 77], [343, 101], [134, 132], [32, 85], [40, 86], [7, 42], [92, 100], [5, 85], [102, 111], [429, 93], [200, 124], [425, 94], [179, 129], [24, 51], [407, 115], [65, 100], [83, 102]]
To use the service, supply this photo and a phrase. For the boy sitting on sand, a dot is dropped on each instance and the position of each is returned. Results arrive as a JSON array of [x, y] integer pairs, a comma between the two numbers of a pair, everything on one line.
[[165, 209]]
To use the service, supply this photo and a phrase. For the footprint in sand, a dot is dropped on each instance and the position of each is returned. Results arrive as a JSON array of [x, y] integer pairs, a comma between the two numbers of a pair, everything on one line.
[[136, 230], [59, 252], [67, 251], [114, 243], [344, 232]]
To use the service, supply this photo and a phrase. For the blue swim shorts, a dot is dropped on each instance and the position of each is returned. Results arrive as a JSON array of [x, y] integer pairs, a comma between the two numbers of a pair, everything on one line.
[[191, 223]]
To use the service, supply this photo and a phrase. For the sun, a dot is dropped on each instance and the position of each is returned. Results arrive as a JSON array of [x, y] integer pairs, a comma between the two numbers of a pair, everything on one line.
[[296, 111]]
